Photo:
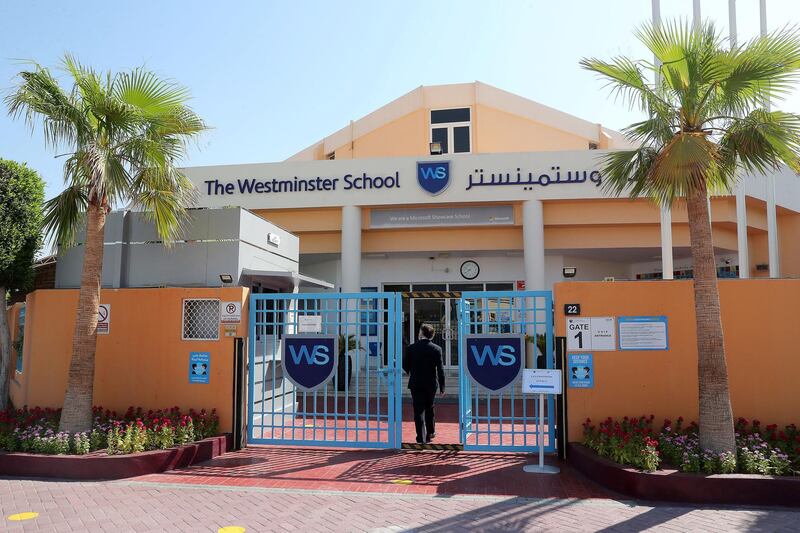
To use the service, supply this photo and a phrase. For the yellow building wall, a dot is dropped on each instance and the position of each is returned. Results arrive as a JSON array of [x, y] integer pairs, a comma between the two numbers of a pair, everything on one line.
[[406, 136], [493, 131], [664, 383], [789, 244], [141, 362], [496, 131]]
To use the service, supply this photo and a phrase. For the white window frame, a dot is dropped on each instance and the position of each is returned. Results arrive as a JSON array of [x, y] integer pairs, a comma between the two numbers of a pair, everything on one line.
[[451, 128], [183, 320]]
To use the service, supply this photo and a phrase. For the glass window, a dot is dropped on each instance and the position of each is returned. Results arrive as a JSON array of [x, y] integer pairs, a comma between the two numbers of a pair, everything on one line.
[[466, 287], [499, 286], [461, 139], [201, 319], [397, 288], [451, 128], [430, 287], [440, 116], [440, 135]]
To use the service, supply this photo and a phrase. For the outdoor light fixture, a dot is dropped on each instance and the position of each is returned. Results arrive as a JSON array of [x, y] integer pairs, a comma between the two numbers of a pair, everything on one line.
[[226, 279], [436, 148], [569, 272]]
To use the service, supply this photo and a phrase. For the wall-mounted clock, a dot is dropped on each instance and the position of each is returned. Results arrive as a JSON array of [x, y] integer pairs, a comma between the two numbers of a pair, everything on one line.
[[470, 269]]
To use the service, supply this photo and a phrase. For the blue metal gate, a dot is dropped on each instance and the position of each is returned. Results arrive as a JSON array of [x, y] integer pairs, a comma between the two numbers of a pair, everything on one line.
[[506, 420], [356, 403]]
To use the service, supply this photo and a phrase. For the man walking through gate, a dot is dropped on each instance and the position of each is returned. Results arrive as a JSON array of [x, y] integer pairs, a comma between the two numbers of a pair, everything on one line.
[[423, 363]]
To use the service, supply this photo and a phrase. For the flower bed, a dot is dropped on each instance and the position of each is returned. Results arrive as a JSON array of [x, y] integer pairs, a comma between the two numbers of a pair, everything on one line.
[[634, 442], [36, 431]]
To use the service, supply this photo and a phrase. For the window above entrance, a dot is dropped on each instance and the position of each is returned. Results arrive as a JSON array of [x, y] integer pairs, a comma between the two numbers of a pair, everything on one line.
[[451, 128]]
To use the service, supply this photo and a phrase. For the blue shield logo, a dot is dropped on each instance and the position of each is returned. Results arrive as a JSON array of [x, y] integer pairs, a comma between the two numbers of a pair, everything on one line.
[[309, 361], [495, 362], [433, 176]]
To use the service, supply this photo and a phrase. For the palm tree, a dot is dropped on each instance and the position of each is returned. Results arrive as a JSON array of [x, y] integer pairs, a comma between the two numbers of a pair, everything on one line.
[[123, 135], [708, 118]]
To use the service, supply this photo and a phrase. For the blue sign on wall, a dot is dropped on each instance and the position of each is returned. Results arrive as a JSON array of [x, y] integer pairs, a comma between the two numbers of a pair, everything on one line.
[[495, 362], [309, 361], [199, 367], [580, 368], [433, 176]]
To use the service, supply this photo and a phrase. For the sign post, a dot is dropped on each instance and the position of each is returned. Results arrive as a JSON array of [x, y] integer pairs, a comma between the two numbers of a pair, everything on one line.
[[541, 381]]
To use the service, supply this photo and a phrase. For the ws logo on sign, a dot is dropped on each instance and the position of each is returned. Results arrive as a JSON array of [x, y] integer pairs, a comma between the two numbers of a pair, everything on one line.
[[495, 362], [309, 361], [433, 176]]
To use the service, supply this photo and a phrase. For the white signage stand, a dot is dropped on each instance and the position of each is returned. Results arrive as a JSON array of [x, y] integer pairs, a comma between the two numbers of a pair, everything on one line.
[[541, 381]]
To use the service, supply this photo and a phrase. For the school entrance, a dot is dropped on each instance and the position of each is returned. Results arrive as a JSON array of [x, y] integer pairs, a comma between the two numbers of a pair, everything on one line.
[[325, 369]]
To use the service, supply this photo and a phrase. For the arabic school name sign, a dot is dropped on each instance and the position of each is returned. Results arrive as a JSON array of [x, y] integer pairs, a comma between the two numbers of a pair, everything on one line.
[[527, 181]]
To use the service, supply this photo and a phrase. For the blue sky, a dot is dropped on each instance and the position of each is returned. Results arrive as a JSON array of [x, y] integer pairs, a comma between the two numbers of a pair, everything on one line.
[[273, 77]]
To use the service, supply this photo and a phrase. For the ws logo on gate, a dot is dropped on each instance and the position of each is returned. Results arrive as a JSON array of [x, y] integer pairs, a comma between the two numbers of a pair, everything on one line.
[[495, 362], [309, 361]]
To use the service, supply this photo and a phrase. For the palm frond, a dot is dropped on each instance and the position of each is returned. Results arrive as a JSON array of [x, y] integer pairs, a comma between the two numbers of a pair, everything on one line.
[[163, 194], [64, 215], [39, 99], [625, 78], [763, 140]]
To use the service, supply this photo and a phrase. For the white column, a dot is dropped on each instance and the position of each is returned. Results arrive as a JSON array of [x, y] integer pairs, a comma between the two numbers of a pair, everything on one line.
[[351, 248], [667, 268], [741, 190], [533, 245], [696, 20], [772, 213]]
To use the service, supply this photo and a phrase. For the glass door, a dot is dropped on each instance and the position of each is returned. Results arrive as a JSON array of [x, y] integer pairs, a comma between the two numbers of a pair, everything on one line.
[[431, 311]]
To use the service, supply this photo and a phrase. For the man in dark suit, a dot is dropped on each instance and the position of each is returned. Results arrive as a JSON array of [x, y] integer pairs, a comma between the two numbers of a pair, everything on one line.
[[423, 362]]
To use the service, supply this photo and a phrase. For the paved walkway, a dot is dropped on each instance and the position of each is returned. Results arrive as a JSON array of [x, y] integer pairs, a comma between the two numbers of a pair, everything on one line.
[[390, 471], [122, 506]]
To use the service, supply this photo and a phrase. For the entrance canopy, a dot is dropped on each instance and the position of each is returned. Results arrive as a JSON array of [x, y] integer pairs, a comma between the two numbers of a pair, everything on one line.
[[283, 280]]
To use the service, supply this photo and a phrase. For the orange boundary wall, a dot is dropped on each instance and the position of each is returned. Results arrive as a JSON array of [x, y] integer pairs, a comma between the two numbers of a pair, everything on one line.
[[761, 326], [142, 361]]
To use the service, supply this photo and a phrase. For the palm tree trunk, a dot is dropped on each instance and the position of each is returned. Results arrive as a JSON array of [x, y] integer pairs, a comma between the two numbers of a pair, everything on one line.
[[5, 350], [716, 418], [77, 412]]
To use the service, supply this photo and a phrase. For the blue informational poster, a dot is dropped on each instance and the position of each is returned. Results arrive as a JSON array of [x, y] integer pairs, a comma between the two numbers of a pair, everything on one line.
[[643, 333], [199, 367], [581, 370]]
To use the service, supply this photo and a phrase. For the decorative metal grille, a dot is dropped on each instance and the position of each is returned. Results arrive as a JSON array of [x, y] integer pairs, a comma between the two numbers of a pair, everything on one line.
[[201, 319]]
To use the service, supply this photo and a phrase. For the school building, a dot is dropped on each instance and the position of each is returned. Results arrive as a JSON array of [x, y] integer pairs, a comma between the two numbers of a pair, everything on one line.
[[463, 206]]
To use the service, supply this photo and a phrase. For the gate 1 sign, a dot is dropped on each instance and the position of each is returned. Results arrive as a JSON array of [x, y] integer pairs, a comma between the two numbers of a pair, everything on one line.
[[199, 367], [309, 361], [591, 334], [494, 362], [581, 370]]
